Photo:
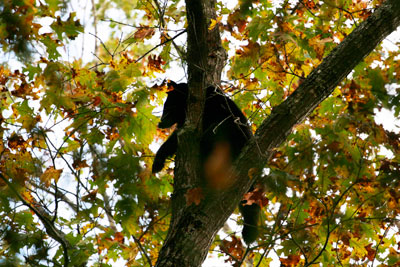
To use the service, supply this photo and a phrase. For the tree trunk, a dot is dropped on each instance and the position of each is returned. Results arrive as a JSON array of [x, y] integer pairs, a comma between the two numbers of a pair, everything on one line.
[[193, 228]]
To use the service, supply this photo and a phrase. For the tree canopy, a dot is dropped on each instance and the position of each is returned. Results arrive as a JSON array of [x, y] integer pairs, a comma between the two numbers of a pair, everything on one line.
[[81, 88]]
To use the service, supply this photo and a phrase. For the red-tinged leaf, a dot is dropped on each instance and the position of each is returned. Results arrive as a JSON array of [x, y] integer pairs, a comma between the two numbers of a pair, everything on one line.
[[194, 196], [370, 252], [256, 196], [79, 164], [155, 63], [17, 142], [233, 248], [97, 101], [119, 237], [144, 33], [28, 197], [291, 260], [310, 4]]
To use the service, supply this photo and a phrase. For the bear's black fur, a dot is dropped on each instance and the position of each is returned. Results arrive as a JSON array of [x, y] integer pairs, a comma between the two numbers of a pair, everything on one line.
[[174, 112], [223, 123]]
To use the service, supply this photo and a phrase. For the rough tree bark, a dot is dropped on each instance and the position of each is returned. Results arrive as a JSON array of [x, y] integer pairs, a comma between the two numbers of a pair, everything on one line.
[[193, 228]]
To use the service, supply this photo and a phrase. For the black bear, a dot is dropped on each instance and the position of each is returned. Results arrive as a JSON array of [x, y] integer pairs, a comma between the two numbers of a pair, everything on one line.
[[225, 132]]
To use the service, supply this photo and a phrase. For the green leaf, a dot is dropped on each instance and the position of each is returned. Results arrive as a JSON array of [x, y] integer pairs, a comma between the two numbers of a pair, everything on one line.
[[70, 27], [51, 46]]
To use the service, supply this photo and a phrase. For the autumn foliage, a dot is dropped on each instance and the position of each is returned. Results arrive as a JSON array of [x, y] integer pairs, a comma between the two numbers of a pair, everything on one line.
[[77, 134]]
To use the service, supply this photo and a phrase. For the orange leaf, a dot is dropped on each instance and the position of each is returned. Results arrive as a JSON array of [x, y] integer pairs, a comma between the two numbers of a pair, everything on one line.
[[194, 195], [155, 63], [143, 33], [50, 174], [97, 101], [234, 247], [119, 237], [28, 197], [370, 252], [255, 197], [292, 260], [79, 164]]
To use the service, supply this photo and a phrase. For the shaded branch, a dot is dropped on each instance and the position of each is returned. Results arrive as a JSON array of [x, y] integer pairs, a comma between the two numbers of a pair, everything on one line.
[[51, 230], [315, 88], [142, 251]]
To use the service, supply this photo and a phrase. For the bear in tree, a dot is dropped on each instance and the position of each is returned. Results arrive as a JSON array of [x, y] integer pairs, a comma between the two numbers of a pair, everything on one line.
[[225, 133]]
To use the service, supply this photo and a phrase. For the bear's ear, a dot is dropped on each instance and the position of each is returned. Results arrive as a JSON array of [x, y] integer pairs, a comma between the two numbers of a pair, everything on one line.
[[179, 88], [175, 106]]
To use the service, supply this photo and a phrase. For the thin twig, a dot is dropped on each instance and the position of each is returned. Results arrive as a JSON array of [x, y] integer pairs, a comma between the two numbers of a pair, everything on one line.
[[105, 47], [142, 250], [166, 41], [51, 230]]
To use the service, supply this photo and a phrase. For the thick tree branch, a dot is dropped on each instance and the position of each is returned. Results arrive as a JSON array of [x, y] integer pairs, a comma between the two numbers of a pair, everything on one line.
[[318, 86], [206, 58]]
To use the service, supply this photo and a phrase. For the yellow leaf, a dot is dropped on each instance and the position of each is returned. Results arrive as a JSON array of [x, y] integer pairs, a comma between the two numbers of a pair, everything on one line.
[[50, 174], [28, 197], [392, 203], [252, 173], [131, 252], [214, 23], [87, 227]]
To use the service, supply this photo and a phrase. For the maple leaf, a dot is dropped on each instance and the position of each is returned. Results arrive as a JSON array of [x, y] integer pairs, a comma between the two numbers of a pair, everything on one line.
[[256, 196], [144, 33], [155, 63], [370, 252], [233, 248], [97, 101], [17, 142], [236, 19], [28, 197], [79, 164], [87, 227], [119, 237], [24, 90], [249, 50], [50, 174]]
